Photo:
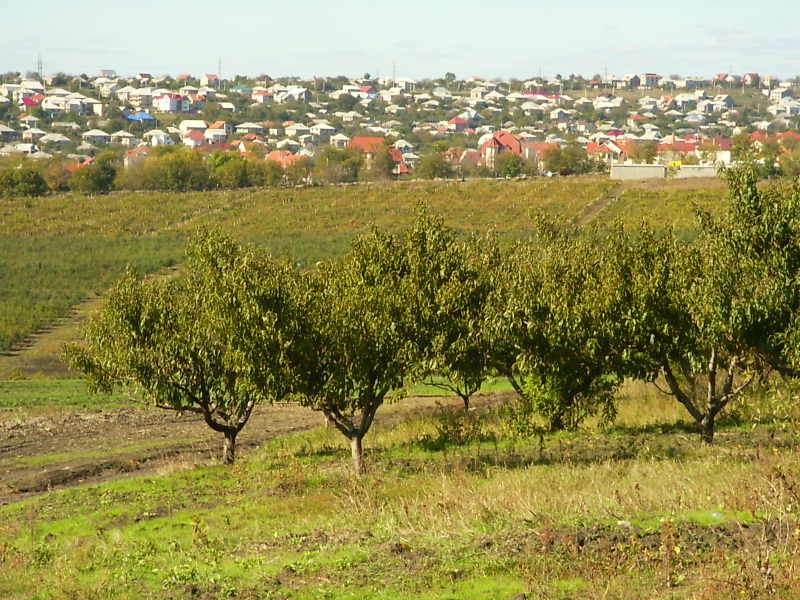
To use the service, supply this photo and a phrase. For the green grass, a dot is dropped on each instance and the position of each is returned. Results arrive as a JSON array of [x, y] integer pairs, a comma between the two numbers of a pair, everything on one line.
[[54, 393], [58, 250], [486, 518]]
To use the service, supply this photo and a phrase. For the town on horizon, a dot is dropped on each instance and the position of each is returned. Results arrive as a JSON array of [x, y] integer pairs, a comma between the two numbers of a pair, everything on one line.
[[470, 123]]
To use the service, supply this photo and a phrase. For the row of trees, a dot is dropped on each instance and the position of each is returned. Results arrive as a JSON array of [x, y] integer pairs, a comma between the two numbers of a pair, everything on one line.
[[566, 316], [178, 168]]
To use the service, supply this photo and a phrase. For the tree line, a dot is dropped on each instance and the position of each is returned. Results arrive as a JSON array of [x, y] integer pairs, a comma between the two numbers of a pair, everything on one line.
[[181, 169], [566, 315]]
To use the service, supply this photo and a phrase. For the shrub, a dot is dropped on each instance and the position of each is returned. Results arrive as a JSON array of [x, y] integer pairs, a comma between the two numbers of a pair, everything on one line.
[[97, 177], [22, 180]]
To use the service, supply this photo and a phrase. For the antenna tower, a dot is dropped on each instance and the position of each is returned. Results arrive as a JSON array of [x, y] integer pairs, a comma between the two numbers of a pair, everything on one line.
[[39, 68]]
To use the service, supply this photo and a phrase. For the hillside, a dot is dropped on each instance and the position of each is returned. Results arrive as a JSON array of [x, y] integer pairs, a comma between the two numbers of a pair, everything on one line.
[[60, 250]]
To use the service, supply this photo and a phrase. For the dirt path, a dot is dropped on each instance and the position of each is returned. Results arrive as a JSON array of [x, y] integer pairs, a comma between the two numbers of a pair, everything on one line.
[[65, 448], [595, 207]]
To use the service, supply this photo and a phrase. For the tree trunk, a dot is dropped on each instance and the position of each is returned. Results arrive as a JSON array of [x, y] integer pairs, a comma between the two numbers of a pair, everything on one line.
[[229, 447], [465, 399], [557, 422], [358, 455], [707, 429]]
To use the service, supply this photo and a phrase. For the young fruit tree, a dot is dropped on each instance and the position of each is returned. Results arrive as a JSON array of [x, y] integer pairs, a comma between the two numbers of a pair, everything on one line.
[[211, 341], [555, 321], [727, 313], [363, 332], [452, 283]]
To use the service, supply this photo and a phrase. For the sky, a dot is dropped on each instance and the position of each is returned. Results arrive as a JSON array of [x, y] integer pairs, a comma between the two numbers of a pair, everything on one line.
[[413, 38]]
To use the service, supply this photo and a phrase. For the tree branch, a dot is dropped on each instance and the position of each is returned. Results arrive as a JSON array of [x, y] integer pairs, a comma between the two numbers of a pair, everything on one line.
[[679, 394]]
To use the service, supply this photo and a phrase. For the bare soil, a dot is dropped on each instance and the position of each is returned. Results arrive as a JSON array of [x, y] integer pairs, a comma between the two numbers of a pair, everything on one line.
[[65, 448]]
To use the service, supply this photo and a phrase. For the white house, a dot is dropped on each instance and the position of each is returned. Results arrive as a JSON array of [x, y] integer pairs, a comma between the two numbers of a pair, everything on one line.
[[192, 125], [250, 128], [96, 136], [340, 140], [322, 129]]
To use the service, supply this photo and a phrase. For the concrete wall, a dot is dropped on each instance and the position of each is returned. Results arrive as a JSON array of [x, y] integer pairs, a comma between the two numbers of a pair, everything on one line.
[[638, 171], [688, 171]]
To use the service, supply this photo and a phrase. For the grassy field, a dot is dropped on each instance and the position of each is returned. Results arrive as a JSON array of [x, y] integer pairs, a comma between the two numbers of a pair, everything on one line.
[[638, 510], [56, 251]]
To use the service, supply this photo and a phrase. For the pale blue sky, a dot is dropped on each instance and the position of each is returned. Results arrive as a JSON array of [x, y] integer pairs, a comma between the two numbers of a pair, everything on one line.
[[496, 38]]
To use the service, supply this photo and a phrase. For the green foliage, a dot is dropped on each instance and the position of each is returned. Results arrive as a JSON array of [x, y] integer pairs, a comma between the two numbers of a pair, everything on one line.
[[56, 251], [299, 171], [210, 342], [338, 165], [569, 160], [381, 165], [558, 321], [359, 344], [382, 313], [183, 170], [22, 179], [645, 152], [96, 177], [509, 164], [728, 311], [233, 171], [433, 166], [451, 281]]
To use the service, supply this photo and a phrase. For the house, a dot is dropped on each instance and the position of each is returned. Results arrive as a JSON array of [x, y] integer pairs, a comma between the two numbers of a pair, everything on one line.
[[32, 134], [169, 103], [457, 124], [135, 156], [156, 137], [292, 94], [322, 129], [649, 80], [288, 144], [210, 80], [96, 136], [31, 101], [262, 96], [769, 81], [751, 79], [193, 138], [123, 93], [494, 144], [250, 128], [194, 102], [535, 152], [56, 139], [370, 145], [7, 133], [340, 140], [283, 157], [403, 146], [779, 94], [225, 125], [192, 125], [297, 129], [33, 84], [215, 135], [29, 121], [123, 138], [406, 84], [141, 98], [67, 125], [91, 106]]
